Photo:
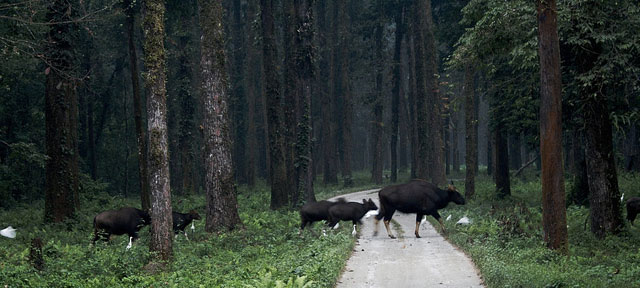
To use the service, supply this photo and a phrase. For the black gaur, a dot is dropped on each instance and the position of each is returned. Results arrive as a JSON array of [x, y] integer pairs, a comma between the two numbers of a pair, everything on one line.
[[417, 196], [127, 220]]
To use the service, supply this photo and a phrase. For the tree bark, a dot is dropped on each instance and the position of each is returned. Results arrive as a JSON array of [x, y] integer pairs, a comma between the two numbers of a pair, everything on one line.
[[238, 102], [424, 146], [501, 153], [471, 138], [291, 98], [278, 175], [345, 91], [436, 151], [61, 115], [305, 54], [376, 139], [159, 184], [554, 216], [253, 77], [222, 205], [397, 84], [137, 108]]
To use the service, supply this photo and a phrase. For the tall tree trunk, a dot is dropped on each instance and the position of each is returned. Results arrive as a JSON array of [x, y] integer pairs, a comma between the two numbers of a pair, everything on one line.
[[455, 150], [154, 59], [345, 91], [222, 205], [238, 101], [554, 218], [253, 76], [501, 153], [412, 106], [606, 212], [278, 175], [291, 98], [436, 153], [304, 77], [137, 108], [424, 149], [61, 115], [376, 139], [471, 138], [397, 84]]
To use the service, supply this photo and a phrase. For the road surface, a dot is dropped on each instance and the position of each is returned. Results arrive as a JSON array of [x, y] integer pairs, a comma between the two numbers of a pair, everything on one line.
[[379, 261]]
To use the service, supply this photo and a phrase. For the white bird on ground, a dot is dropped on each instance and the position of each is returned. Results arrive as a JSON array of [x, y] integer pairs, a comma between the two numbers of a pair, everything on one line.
[[464, 221], [622, 197], [449, 217], [130, 243], [8, 232], [353, 233]]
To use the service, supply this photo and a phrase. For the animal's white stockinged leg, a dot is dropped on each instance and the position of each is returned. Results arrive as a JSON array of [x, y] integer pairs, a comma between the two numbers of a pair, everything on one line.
[[175, 237], [185, 235], [353, 233], [324, 232], [193, 227], [130, 243]]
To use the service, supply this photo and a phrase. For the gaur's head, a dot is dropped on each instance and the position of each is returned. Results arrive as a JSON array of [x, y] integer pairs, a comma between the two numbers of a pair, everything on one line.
[[194, 215], [369, 205], [454, 195]]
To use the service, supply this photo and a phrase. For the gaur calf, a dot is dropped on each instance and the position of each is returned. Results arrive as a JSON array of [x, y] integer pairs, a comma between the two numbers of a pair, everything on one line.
[[417, 196], [127, 220], [352, 211], [633, 208], [181, 220], [316, 211]]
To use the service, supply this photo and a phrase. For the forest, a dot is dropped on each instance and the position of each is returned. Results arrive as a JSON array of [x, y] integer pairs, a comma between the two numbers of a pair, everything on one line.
[[245, 110]]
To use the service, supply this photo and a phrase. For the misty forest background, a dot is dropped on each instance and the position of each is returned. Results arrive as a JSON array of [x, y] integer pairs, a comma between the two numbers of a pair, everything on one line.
[[227, 105]]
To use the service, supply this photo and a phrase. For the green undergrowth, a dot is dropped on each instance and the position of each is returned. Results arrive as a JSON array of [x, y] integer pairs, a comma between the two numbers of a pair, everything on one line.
[[505, 240], [266, 252]]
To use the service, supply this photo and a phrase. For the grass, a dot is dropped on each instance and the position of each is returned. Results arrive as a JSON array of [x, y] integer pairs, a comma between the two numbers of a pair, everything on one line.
[[505, 240], [266, 252]]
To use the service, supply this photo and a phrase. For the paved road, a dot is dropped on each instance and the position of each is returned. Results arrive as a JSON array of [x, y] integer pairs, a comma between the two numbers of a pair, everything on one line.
[[379, 261]]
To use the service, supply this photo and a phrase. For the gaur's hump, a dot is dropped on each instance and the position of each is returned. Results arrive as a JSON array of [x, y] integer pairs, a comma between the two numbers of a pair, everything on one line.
[[341, 200]]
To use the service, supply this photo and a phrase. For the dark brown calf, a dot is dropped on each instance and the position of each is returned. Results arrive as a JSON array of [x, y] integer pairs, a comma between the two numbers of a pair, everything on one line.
[[316, 211], [417, 196], [181, 220], [633, 208], [351, 211]]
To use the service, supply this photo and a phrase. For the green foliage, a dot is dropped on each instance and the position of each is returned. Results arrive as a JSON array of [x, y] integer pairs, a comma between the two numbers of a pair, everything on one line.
[[266, 252], [506, 243]]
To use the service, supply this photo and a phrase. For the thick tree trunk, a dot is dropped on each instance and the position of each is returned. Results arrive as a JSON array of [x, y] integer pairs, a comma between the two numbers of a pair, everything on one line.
[[253, 77], [345, 92], [515, 145], [222, 206], [61, 115], [423, 105], [471, 138], [436, 151], [554, 216], [376, 139], [395, 101], [159, 184], [291, 97], [304, 77], [412, 107], [137, 108], [278, 169], [238, 103], [501, 153]]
